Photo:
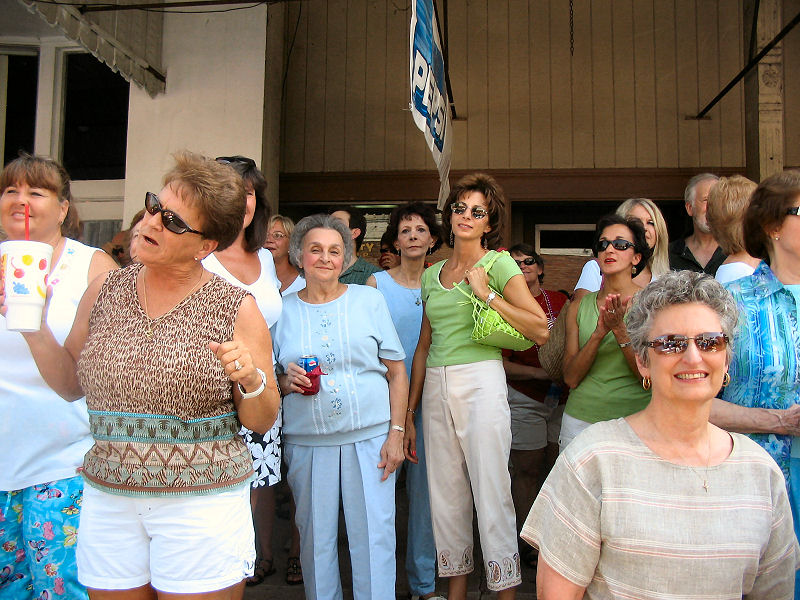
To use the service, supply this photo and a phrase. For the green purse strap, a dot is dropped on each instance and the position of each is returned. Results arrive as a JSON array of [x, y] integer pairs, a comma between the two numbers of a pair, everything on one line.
[[486, 268]]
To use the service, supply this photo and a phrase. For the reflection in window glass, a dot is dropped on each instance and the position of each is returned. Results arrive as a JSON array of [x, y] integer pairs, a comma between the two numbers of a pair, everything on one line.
[[95, 119]]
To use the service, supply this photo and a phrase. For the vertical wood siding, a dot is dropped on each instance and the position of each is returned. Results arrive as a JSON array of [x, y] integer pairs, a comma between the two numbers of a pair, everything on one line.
[[639, 67]]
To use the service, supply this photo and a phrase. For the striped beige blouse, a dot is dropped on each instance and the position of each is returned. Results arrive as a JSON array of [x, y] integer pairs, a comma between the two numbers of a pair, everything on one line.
[[619, 520]]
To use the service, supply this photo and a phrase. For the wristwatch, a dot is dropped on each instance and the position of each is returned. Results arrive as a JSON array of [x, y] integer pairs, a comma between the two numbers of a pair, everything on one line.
[[490, 297]]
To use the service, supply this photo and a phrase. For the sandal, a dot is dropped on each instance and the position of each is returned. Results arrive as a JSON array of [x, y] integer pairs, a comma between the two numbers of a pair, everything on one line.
[[264, 568], [294, 572]]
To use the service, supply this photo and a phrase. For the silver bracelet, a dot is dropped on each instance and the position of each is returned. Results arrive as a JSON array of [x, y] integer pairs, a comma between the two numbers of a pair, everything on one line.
[[625, 344], [258, 390], [399, 428]]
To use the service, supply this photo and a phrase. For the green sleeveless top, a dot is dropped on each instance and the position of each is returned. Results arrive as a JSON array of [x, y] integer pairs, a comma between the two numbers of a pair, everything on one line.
[[610, 389]]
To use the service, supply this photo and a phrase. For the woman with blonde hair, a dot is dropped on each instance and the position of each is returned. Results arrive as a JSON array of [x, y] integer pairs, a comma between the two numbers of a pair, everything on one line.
[[279, 231], [727, 203], [655, 230]]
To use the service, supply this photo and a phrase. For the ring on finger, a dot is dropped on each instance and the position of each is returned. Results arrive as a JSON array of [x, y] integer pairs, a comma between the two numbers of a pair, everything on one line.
[[612, 311], [237, 365]]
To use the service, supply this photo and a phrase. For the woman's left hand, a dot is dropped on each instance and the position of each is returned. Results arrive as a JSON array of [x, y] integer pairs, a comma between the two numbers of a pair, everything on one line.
[[391, 454], [237, 362], [478, 281]]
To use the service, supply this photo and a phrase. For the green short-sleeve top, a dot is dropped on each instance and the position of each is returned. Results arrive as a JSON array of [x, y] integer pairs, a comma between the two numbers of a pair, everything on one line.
[[450, 313], [610, 389]]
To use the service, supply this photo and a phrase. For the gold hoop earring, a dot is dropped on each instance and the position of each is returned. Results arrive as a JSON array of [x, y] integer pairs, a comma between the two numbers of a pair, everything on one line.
[[726, 379], [646, 385]]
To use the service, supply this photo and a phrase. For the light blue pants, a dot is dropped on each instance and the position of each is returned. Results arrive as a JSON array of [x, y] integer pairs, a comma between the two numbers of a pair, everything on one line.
[[319, 476], [421, 551], [38, 535], [794, 500]]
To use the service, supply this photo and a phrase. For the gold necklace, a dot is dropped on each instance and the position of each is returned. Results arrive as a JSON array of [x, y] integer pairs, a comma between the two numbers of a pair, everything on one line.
[[152, 322]]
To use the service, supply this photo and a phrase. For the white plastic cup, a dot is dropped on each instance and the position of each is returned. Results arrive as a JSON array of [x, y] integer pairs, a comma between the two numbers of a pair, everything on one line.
[[25, 266]]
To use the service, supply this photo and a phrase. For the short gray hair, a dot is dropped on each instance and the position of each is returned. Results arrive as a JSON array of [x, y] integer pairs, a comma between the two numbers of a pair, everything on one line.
[[689, 195], [318, 221], [678, 287]]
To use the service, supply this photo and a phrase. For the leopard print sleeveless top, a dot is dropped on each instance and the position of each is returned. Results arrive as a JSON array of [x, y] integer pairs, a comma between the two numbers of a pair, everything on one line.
[[161, 407]]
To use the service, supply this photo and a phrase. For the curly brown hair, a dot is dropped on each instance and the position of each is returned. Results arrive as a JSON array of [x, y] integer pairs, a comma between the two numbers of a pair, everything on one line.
[[495, 200]]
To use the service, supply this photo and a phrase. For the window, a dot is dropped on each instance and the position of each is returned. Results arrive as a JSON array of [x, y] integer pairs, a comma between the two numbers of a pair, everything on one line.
[[95, 119], [19, 96]]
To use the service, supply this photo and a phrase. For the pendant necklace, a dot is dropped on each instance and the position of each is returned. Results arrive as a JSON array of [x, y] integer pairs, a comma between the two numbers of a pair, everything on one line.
[[708, 459], [153, 322]]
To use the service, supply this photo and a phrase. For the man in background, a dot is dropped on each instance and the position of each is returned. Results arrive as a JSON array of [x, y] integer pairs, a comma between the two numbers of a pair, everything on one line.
[[699, 252], [359, 270]]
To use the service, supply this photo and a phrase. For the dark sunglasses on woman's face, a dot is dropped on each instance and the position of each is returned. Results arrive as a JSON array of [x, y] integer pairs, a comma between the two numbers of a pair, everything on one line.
[[525, 261], [620, 245], [713, 341], [169, 219], [478, 212]]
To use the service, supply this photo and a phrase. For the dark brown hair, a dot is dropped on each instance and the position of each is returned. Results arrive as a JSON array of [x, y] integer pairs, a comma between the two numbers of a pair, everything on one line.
[[767, 210], [47, 174], [496, 205], [255, 234], [408, 210], [215, 189]]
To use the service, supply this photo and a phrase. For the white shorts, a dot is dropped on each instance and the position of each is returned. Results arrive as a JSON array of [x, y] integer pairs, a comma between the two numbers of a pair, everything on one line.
[[189, 545]]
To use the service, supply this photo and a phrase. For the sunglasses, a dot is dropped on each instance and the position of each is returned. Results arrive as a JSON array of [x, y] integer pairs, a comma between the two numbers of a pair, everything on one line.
[[525, 261], [620, 245], [478, 212], [169, 219], [793, 210], [677, 344], [277, 235], [236, 160]]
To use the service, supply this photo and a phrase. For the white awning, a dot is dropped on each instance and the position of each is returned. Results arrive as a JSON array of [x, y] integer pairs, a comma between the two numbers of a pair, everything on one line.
[[129, 42]]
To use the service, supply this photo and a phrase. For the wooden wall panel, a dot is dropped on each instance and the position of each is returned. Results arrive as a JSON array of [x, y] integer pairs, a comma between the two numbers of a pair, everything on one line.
[[293, 130], [541, 76], [519, 86], [316, 94], [666, 83], [581, 82], [477, 88], [639, 67], [624, 89], [355, 86], [498, 82], [644, 85], [375, 93], [791, 90], [603, 140], [397, 86]]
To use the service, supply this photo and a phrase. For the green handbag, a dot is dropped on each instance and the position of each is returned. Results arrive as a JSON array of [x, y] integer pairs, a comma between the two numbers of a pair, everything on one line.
[[490, 328]]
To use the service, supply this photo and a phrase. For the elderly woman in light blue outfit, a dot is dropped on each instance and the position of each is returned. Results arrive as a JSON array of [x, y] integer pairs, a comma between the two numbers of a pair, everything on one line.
[[414, 233], [346, 440], [764, 392]]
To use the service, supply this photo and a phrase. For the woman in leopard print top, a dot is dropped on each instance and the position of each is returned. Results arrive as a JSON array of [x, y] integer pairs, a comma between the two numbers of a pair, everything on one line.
[[171, 359]]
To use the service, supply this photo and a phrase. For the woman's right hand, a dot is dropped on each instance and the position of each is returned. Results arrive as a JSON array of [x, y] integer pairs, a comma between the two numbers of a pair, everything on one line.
[[410, 440], [296, 379]]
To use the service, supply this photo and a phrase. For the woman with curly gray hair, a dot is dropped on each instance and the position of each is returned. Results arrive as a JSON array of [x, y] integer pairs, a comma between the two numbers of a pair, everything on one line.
[[632, 506], [349, 421]]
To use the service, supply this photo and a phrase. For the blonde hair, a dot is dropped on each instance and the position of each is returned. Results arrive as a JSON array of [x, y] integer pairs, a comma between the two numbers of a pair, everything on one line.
[[659, 260], [727, 202], [285, 222]]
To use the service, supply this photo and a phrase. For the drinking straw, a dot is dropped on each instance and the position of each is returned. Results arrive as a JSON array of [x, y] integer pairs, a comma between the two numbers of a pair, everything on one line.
[[27, 223]]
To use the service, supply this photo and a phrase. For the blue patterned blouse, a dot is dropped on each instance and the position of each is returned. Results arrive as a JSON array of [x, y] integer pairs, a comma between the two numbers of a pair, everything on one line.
[[765, 368]]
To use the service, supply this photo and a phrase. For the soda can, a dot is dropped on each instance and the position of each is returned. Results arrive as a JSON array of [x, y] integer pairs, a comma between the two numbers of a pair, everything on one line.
[[308, 363]]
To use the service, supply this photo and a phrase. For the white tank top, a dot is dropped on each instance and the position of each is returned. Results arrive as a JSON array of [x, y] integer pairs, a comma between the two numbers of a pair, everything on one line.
[[42, 436]]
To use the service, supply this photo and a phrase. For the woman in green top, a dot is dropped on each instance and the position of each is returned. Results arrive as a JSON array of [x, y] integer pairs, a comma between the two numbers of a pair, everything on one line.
[[599, 365], [462, 385]]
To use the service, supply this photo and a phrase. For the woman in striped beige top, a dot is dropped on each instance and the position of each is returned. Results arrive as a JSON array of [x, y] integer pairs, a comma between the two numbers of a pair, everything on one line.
[[662, 504]]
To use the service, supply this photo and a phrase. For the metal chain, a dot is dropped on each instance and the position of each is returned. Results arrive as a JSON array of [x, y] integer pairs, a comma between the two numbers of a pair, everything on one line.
[[571, 28]]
